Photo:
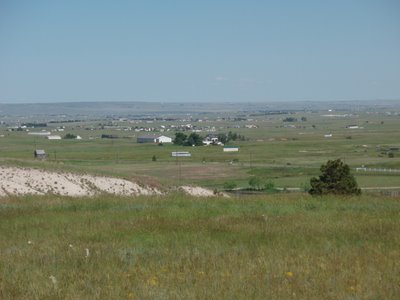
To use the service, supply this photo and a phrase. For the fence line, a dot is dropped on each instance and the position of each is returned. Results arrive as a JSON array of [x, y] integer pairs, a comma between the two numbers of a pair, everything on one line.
[[385, 170]]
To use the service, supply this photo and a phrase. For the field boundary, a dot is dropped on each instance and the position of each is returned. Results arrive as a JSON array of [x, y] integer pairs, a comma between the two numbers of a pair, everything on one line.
[[378, 170]]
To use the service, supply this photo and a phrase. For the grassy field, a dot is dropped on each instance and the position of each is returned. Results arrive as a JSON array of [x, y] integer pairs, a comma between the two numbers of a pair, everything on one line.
[[288, 156], [176, 247]]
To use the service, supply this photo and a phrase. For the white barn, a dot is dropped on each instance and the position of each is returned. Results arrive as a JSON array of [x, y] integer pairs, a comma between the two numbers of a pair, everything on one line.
[[163, 139]]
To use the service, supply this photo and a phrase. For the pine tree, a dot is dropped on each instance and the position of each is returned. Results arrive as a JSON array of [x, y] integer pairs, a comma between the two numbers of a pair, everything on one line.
[[335, 179]]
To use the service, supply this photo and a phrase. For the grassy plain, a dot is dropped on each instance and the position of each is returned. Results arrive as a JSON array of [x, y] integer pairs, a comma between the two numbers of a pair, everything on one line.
[[178, 247], [287, 153], [276, 246]]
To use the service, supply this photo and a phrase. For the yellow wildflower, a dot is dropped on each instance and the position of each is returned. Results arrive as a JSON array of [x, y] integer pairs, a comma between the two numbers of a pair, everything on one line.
[[289, 274], [152, 281]]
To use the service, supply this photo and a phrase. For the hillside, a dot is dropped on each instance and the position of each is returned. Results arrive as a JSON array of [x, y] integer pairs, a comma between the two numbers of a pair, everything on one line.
[[179, 247]]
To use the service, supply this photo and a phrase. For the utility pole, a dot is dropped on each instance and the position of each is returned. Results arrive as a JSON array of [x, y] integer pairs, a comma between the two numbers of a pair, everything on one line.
[[179, 169]]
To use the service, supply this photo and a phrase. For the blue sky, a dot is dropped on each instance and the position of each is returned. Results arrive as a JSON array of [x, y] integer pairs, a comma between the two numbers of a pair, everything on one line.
[[186, 51]]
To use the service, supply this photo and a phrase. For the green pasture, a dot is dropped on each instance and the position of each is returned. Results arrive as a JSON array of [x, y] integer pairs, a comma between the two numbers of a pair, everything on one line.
[[275, 151], [179, 247]]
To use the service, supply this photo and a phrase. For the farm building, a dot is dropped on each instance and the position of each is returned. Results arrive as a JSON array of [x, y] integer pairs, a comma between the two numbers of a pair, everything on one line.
[[39, 154], [212, 140], [53, 137], [161, 139], [231, 149], [42, 133], [181, 154], [352, 126]]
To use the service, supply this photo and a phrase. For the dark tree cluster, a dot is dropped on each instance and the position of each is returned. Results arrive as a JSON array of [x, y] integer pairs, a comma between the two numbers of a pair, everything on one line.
[[109, 136], [290, 119], [230, 136], [335, 179], [34, 125], [194, 139], [70, 136]]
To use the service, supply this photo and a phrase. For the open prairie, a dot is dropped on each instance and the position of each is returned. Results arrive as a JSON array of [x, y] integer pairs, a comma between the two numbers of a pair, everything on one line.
[[180, 247], [169, 245], [286, 147]]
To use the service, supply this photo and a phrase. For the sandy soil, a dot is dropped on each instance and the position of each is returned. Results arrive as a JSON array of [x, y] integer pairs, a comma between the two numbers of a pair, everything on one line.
[[200, 192], [22, 181]]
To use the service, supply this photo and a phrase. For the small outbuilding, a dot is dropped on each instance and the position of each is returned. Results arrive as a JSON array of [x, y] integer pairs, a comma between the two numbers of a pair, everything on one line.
[[231, 149], [146, 139], [352, 126], [160, 139], [54, 137], [181, 154], [41, 133], [40, 154]]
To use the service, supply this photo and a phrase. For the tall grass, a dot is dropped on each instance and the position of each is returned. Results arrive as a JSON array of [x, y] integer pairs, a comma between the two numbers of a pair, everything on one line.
[[178, 247]]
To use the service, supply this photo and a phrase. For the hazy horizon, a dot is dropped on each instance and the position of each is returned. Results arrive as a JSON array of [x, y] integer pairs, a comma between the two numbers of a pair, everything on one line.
[[367, 101], [209, 51]]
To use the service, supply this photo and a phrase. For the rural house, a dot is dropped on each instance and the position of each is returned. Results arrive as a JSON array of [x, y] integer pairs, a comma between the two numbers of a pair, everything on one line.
[[41, 154]]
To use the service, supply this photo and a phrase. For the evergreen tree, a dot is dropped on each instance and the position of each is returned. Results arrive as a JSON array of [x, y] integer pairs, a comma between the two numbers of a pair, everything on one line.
[[180, 138], [335, 179], [194, 139]]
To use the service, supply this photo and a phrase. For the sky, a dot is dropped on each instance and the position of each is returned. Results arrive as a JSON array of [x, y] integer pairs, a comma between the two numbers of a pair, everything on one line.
[[199, 51]]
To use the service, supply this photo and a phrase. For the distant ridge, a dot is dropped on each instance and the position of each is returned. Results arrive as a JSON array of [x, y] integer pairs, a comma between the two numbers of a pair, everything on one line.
[[102, 109]]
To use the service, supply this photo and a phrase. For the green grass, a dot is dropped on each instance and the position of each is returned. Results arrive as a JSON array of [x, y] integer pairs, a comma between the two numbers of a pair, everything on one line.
[[287, 156], [179, 247]]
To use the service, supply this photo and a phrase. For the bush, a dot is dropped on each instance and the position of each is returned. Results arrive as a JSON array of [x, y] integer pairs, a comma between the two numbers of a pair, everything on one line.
[[230, 185], [269, 186], [335, 179], [256, 183], [70, 136]]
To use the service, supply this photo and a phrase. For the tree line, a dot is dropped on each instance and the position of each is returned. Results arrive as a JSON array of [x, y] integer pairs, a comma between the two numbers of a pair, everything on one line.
[[194, 139]]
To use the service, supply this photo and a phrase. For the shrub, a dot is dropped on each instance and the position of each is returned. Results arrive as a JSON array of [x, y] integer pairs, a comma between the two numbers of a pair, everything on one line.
[[256, 183], [335, 179], [70, 136], [230, 185], [269, 186]]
